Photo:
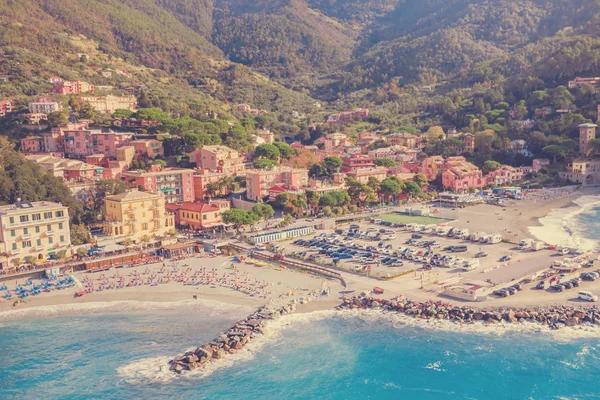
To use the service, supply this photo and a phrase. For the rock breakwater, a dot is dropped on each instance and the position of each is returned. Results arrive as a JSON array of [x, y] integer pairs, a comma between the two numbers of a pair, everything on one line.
[[554, 317]]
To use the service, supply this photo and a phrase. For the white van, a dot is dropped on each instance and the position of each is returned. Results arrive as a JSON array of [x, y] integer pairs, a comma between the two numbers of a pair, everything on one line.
[[587, 296]]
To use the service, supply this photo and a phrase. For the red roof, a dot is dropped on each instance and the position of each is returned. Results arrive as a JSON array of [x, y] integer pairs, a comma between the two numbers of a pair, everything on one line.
[[194, 207], [283, 188]]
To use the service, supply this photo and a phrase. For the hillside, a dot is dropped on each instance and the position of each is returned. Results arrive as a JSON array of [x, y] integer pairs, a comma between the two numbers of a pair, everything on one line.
[[280, 55]]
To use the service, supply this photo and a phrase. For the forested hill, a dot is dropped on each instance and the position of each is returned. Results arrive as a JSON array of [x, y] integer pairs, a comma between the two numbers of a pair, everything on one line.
[[321, 48]]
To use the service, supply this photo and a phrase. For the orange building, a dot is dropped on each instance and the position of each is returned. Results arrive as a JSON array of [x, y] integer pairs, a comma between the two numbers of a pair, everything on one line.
[[199, 215], [220, 159], [148, 148]]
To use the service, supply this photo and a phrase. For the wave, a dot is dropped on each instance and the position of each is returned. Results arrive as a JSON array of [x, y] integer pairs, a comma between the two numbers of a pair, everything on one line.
[[156, 369], [122, 306], [562, 228]]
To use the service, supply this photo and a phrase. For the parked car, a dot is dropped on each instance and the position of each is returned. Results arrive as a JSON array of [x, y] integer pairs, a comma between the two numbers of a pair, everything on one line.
[[542, 285], [505, 258], [587, 296], [502, 293], [558, 288], [481, 254]]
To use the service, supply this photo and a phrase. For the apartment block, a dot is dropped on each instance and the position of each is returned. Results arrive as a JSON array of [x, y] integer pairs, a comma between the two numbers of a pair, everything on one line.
[[33, 229], [176, 184], [134, 214], [220, 159], [258, 181]]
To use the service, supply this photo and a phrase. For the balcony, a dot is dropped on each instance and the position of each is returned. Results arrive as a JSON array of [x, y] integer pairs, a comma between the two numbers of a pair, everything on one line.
[[130, 211], [25, 237]]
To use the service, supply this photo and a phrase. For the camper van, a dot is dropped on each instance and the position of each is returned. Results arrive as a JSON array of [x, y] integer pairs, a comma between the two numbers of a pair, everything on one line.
[[484, 238], [493, 239], [474, 237], [470, 265], [462, 234], [538, 246], [525, 244], [587, 296]]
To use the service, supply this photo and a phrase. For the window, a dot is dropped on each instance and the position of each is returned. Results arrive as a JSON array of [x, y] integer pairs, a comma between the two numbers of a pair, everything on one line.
[[14, 246], [48, 228], [37, 229], [13, 233], [24, 218], [145, 226], [204, 216], [36, 217], [26, 243], [39, 242], [11, 220], [48, 215], [62, 238], [60, 214], [25, 231], [60, 225], [50, 240]]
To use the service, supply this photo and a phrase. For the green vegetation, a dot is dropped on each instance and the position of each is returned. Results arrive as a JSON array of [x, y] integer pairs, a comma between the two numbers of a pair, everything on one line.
[[411, 219]]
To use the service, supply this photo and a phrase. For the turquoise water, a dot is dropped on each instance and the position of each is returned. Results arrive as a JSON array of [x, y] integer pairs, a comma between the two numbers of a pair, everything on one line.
[[338, 357], [587, 223]]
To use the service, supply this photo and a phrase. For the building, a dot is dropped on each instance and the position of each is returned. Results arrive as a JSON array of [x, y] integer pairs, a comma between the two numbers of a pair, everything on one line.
[[363, 174], [276, 190], [220, 159], [32, 144], [108, 104], [432, 166], [85, 142], [469, 143], [202, 179], [355, 161], [349, 116], [176, 184], [504, 175], [36, 118], [584, 171], [335, 142], [44, 105], [39, 229], [580, 82], [459, 175], [259, 181], [520, 147], [587, 132], [266, 135], [126, 154], [135, 215], [540, 164], [6, 107], [72, 87], [67, 168], [148, 148], [199, 215], [402, 139]]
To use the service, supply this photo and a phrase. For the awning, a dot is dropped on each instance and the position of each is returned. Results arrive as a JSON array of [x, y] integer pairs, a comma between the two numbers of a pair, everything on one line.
[[110, 248]]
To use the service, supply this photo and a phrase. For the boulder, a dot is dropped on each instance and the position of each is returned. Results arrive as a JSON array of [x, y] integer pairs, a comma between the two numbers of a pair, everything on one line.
[[478, 316]]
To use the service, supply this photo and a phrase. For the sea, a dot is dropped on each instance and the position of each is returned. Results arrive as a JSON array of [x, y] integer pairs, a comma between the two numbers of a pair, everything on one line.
[[120, 350], [576, 226]]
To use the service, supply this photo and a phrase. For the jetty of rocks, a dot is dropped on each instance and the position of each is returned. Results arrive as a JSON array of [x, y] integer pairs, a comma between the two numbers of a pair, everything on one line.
[[229, 342], [552, 316]]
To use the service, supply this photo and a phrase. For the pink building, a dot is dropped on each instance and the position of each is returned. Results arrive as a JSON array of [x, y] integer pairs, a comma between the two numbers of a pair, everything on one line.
[[176, 183], [148, 148], [431, 167], [259, 181], [355, 161], [85, 142], [5, 107], [74, 87], [459, 175], [504, 175], [220, 159], [82, 170], [540, 164], [32, 144], [204, 177], [363, 174]]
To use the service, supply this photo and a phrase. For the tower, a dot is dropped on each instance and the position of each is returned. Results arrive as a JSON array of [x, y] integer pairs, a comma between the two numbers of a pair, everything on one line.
[[469, 143], [587, 132]]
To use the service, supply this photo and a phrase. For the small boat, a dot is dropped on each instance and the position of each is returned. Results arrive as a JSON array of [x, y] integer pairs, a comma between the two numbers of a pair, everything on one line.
[[80, 293], [377, 290]]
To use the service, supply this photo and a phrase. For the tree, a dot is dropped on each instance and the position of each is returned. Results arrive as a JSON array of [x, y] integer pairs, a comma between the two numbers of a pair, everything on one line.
[[390, 187], [374, 184], [264, 211], [385, 162], [80, 234], [420, 179], [284, 149], [435, 133], [88, 111], [239, 218], [490, 166], [145, 239], [412, 188], [81, 252], [332, 163], [153, 114], [58, 118], [317, 170], [282, 200], [121, 113], [267, 151], [264, 163], [30, 259]]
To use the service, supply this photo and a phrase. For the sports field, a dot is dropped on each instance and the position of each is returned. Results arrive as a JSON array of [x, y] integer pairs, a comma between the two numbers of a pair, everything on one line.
[[411, 219]]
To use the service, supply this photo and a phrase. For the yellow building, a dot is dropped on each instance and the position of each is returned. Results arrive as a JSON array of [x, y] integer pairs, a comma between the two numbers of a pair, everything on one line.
[[39, 229], [134, 214], [126, 154]]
